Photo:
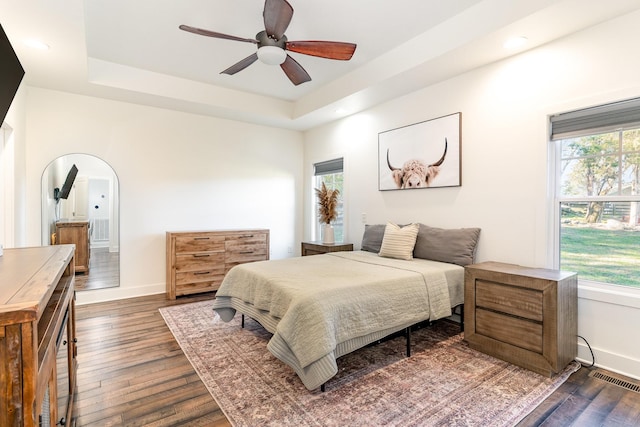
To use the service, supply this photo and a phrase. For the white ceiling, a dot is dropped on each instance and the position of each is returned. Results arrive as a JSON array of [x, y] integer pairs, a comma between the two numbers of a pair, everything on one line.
[[132, 50]]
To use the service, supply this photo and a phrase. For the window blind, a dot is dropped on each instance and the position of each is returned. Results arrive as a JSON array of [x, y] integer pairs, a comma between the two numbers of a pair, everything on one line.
[[600, 119], [328, 167]]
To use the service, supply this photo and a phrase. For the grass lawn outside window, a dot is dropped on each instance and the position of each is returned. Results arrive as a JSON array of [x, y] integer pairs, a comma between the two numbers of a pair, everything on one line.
[[600, 254]]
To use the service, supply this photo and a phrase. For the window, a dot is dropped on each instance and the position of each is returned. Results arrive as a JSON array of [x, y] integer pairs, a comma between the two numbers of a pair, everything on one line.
[[331, 173], [597, 192]]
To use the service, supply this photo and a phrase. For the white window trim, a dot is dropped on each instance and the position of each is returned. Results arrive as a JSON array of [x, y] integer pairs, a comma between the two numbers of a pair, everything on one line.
[[316, 232], [587, 289], [625, 296], [313, 229]]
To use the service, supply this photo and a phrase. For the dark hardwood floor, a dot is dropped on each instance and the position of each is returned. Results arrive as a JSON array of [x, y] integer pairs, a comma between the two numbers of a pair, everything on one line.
[[132, 372], [584, 401], [104, 271]]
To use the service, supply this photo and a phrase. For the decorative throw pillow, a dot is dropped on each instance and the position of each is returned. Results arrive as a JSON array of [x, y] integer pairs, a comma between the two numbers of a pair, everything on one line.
[[455, 246], [398, 242], [372, 238]]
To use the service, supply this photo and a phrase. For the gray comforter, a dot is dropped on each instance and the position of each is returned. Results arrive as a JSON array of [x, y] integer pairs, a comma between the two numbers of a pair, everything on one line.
[[323, 306]]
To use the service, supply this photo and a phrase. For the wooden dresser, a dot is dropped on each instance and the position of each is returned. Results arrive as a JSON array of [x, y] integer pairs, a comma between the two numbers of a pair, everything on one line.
[[526, 316], [317, 248], [37, 336], [77, 233], [197, 261]]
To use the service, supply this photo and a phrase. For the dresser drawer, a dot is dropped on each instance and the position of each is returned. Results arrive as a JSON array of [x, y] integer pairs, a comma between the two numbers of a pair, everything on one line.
[[197, 287], [517, 301], [233, 260], [512, 330], [198, 262], [246, 248], [249, 252], [245, 242], [212, 274], [204, 243]]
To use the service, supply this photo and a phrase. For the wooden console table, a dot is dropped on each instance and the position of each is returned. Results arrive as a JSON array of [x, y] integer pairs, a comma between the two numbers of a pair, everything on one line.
[[37, 336], [526, 316]]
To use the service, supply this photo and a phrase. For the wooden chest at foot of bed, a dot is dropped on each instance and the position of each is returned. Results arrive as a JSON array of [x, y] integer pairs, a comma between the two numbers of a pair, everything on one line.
[[197, 261], [526, 316]]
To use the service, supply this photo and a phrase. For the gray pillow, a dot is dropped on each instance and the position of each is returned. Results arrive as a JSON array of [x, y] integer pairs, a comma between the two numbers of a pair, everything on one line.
[[455, 246], [372, 238]]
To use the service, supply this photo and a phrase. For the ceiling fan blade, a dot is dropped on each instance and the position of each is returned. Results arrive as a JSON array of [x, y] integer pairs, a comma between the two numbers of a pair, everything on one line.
[[323, 49], [217, 35], [277, 16], [294, 71], [241, 65]]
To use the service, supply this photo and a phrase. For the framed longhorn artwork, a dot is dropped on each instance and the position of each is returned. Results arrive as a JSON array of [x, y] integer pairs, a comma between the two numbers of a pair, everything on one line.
[[421, 155]]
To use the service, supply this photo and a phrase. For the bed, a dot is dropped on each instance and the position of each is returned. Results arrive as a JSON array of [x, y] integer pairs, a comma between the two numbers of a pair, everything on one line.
[[321, 307]]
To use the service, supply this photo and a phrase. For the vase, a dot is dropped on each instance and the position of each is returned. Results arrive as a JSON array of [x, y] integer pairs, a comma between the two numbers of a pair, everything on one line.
[[327, 234]]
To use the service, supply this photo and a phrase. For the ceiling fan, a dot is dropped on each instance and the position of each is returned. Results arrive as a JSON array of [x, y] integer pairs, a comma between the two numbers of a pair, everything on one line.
[[273, 44]]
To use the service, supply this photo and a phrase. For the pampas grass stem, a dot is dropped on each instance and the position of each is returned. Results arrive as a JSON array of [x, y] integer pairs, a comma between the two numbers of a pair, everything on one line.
[[327, 204]]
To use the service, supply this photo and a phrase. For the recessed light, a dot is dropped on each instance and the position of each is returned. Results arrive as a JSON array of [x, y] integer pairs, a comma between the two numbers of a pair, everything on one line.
[[36, 44], [340, 110], [515, 42]]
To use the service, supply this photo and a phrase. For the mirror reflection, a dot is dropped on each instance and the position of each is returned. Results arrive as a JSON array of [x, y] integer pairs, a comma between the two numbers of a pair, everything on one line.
[[80, 205]]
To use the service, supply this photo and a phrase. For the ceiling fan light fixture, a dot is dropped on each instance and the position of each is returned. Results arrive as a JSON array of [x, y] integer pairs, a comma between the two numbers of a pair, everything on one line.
[[273, 44], [272, 55]]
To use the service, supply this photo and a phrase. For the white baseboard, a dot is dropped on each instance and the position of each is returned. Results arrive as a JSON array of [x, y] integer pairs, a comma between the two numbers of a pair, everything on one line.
[[613, 362], [111, 294]]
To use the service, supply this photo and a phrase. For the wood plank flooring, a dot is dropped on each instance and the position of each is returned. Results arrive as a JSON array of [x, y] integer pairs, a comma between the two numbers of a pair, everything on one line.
[[133, 373], [104, 271]]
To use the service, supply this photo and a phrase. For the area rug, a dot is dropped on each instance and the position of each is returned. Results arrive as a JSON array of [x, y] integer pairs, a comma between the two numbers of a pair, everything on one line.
[[443, 383]]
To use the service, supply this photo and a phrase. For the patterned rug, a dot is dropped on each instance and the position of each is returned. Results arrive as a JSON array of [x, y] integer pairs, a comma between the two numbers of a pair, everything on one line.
[[443, 383]]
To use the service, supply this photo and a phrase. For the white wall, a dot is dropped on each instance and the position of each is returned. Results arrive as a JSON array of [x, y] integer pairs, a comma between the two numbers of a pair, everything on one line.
[[505, 108], [177, 172]]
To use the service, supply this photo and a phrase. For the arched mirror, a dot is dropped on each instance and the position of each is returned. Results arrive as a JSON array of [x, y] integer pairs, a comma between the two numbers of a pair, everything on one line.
[[80, 205]]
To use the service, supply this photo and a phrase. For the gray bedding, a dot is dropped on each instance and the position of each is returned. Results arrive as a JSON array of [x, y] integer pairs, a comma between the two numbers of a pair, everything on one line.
[[321, 307]]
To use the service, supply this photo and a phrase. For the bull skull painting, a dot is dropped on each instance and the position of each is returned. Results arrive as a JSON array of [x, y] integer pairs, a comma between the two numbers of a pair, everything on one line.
[[416, 173]]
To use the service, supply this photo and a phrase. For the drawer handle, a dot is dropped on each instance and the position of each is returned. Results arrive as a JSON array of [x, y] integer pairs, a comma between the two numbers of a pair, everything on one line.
[[201, 272], [246, 236], [201, 238], [246, 252], [200, 255]]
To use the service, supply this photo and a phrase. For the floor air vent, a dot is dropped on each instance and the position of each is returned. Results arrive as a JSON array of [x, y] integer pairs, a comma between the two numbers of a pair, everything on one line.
[[616, 381]]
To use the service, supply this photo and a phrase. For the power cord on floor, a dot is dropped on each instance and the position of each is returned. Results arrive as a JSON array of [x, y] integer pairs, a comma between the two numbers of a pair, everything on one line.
[[593, 358]]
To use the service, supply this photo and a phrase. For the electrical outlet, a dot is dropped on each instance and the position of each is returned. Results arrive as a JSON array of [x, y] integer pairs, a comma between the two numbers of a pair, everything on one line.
[[289, 250], [364, 218]]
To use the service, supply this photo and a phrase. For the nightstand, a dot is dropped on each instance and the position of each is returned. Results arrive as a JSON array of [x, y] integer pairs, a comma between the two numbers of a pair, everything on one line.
[[526, 316], [316, 248]]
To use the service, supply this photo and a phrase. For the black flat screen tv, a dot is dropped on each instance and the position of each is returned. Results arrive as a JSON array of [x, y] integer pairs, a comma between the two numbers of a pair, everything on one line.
[[11, 73], [63, 193]]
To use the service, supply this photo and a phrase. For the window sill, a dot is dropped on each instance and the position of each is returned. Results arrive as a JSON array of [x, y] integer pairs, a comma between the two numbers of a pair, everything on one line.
[[612, 294]]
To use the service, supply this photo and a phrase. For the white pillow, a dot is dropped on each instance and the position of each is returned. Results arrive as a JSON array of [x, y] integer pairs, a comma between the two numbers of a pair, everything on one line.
[[398, 242]]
